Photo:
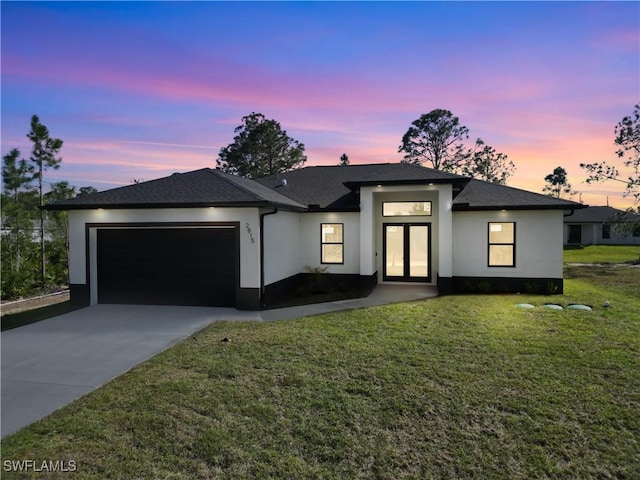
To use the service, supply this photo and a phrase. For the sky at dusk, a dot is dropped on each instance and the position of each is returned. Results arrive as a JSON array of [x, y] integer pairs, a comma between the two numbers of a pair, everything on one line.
[[141, 90]]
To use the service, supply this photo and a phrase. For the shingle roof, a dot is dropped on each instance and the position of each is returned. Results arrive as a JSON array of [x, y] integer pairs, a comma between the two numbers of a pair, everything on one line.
[[205, 187], [480, 195], [600, 214], [403, 173], [333, 187]]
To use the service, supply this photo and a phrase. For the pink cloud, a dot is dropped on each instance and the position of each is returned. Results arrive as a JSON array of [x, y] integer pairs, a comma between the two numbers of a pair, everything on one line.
[[541, 110], [622, 40], [223, 81]]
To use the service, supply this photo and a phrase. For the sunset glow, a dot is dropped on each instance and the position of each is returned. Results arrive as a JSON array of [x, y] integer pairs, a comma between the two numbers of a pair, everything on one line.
[[145, 89]]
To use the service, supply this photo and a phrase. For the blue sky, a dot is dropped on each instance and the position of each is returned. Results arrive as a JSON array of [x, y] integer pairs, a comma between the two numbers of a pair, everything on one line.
[[141, 90]]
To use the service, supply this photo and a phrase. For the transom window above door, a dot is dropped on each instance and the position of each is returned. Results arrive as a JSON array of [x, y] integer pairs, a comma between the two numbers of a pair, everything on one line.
[[406, 209]]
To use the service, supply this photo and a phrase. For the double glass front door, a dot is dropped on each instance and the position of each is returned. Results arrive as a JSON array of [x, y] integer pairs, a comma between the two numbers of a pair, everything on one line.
[[407, 252]]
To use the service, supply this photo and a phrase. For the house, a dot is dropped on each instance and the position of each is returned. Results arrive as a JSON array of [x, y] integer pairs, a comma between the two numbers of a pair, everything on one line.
[[208, 238], [600, 226], [30, 229]]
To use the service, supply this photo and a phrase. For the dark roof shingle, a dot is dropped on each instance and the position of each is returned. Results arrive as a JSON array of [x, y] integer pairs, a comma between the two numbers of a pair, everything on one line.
[[481, 195], [601, 214], [205, 187], [333, 187]]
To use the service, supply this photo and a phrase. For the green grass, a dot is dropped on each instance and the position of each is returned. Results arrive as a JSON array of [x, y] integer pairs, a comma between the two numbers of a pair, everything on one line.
[[620, 279], [602, 254], [452, 387]]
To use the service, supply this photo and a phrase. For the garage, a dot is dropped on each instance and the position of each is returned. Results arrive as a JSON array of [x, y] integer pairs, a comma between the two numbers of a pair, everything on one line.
[[168, 266]]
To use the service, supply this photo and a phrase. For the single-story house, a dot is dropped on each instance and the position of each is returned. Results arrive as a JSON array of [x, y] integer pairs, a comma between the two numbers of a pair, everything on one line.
[[599, 225], [209, 238]]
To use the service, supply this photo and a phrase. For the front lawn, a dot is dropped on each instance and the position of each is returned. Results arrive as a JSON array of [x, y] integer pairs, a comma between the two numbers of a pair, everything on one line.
[[602, 254], [452, 387]]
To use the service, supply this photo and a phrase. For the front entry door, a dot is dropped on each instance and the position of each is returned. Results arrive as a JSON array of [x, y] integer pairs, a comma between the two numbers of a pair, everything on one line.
[[407, 252]]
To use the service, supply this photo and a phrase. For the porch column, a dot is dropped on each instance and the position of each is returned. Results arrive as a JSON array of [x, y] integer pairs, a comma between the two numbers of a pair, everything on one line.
[[367, 233], [445, 231]]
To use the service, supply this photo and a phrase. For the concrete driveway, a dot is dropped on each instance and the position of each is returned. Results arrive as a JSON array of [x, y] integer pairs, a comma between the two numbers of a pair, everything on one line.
[[48, 364]]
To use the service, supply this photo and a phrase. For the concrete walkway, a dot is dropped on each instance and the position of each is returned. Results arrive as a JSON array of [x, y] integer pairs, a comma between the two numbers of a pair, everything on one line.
[[48, 364], [381, 295]]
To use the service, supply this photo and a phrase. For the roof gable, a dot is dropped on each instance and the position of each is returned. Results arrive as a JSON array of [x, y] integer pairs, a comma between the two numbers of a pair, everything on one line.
[[601, 214], [199, 188], [335, 187], [481, 195]]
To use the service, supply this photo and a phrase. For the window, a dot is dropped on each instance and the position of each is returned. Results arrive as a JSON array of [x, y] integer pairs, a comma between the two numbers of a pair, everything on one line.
[[502, 244], [332, 243], [636, 231], [606, 231], [404, 209]]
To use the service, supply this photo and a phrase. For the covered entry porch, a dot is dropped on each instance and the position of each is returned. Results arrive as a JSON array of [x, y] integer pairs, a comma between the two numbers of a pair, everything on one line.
[[410, 240]]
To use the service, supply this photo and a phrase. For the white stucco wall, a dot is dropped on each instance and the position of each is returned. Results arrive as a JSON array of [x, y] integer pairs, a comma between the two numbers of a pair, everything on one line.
[[616, 238], [445, 232], [249, 235], [292, 243], [310, 240], [592, 234], [539, 236], [367, 232], [438, 195], [281, 246]]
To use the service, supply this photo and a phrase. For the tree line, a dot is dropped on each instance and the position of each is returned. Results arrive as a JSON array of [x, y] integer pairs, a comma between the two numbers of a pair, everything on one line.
[[35, 243], [438, 140], [627, 140]]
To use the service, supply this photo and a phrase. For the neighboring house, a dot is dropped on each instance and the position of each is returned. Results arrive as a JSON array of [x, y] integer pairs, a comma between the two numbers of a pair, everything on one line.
[[601, 226], [209, 238], [33, 231]]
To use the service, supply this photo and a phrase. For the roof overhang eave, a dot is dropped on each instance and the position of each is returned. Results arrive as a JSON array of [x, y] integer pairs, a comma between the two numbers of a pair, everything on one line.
[[372, 183], [465, 207], [139, 206], [333, 209]]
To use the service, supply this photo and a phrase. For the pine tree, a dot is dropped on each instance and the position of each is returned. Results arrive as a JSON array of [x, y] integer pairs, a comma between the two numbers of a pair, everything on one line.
[[43, 156]]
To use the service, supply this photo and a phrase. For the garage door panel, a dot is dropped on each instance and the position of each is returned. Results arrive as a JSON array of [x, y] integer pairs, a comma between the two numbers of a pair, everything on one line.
[[195, 266]]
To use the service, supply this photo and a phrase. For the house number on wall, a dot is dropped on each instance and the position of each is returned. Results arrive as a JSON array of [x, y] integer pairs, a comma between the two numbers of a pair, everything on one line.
[[249, 232]]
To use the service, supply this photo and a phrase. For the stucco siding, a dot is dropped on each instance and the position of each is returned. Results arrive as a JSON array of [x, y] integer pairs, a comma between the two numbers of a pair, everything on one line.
[[616, 238], [310, 241], [281, 246], [591, 234], [367, 232], [538, 244], [249, 234], [412, 193]]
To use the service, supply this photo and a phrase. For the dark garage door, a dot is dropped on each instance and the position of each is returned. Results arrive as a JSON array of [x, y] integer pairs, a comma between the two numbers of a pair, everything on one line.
[[167, 266]]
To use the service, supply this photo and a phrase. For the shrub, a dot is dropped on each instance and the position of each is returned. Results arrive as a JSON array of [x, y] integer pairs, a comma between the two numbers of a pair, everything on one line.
[[318, 280]]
